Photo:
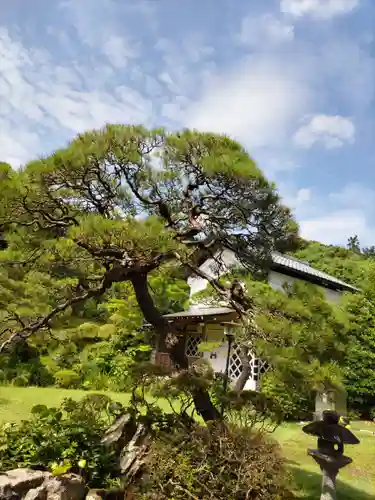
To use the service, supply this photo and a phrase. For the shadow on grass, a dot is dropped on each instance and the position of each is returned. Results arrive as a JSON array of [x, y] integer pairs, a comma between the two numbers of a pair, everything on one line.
[[309, 486]]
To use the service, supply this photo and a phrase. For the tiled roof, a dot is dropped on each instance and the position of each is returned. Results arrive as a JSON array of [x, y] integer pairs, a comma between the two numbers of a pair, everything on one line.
[[198, 311], [201, 311], [303, 268]]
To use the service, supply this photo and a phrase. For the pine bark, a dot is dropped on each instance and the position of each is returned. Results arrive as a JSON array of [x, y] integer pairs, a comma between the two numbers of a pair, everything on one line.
[[174, 344]]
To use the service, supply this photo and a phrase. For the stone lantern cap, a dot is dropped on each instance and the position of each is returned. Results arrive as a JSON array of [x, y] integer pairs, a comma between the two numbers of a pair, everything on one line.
[[330, 430]]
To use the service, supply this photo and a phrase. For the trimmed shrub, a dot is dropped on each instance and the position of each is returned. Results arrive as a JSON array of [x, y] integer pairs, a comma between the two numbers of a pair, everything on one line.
[[236, 464], [21, 381], [67, 379]]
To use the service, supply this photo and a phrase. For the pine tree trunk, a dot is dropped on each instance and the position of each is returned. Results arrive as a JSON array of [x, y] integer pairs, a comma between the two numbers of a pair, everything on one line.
[[246, 370], [174, 344]]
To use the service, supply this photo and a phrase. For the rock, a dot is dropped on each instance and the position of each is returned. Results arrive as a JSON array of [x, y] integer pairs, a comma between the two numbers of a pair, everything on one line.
[[65, 487], [119, 433], [113, 494], [15, 483], [36, 494], [94, 495], [132, 455], [27, 484]]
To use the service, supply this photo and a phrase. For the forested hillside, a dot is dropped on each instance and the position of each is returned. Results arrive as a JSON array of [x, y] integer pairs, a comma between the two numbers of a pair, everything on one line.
[[356, 265], [351, 264]]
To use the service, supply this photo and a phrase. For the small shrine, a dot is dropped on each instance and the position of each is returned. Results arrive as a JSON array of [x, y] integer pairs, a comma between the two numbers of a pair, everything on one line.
[[212, 326]]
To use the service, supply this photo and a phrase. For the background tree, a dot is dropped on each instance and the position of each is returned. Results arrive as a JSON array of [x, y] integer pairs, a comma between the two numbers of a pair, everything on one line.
[[353, 244], [360, 355], [120, 203]]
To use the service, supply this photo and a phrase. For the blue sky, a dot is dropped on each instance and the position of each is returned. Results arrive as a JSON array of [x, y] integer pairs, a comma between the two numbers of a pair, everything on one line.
[[293, 80]]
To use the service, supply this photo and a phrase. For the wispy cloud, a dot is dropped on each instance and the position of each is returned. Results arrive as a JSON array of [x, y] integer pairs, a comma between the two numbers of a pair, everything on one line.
[[337, 226], [119, 51], [259, 72], [333, 218], [355, 195], [62, 100], [257, 102], [265, 30]]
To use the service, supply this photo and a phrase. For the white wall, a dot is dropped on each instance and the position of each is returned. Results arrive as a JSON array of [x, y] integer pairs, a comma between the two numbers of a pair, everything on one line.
[[275, 279], [211, 268]]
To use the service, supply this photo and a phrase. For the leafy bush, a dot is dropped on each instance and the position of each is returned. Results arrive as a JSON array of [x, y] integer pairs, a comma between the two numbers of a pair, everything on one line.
[[67, 379], [22, 366], [237, 463], [61, 439], [353, 414], [21, 381], [296, 404]]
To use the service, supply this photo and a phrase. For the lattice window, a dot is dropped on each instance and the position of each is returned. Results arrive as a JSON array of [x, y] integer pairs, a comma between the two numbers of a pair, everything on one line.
[[258, 367], [235, 363], [192, 346]]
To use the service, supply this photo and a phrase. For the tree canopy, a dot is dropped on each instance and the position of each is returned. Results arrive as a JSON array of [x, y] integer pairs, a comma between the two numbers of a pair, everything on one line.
[[120, 203], [101, 235]]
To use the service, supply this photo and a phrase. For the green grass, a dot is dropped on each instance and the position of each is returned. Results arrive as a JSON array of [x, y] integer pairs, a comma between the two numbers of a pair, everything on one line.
[[357, 481], [16, 402]]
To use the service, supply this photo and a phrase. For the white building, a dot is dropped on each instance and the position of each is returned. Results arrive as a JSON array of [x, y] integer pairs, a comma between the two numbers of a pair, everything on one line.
[[203, 323]]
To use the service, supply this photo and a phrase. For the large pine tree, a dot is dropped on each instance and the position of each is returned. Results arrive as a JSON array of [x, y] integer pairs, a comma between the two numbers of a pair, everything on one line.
[[119, 203]]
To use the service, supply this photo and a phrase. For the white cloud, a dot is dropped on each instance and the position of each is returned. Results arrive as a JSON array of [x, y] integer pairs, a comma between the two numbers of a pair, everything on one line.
[[332, 218], [273, 161], [303, 195], [15, 149], [85, 15], [264, 30], [119, 51], [41, 96], [260, 101], [349, 69], [299, 200], [318, 9], [336, 227], [353, 195], [256, 104], [328, 130]]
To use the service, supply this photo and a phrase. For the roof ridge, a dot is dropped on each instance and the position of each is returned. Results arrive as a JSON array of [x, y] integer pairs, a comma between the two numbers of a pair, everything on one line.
[[292, 257], [308, 269]]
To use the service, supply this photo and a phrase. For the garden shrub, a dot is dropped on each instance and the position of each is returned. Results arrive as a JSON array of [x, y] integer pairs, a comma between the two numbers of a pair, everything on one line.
[[22, 366], [238, 463], [296, 404], [21, 381], [67, 379], [64, 438]]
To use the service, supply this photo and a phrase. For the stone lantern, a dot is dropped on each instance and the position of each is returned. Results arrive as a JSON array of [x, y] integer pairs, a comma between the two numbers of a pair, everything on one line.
[[329, 454]]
